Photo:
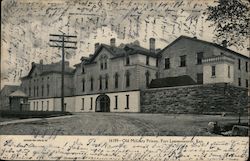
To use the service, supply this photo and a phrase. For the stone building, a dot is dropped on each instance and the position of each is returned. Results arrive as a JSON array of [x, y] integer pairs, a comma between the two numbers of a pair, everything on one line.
[[204, 62], [43, 85], [113, 77]]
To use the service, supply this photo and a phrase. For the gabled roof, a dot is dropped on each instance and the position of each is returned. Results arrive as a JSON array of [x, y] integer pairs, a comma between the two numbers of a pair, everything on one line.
[[172, 81], [18, 93], [7, 89], [49, 68], [136, 49], [205, 42], [116, 52]]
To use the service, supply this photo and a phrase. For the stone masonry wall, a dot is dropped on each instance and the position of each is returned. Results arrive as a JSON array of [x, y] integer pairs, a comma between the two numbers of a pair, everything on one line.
[[209, 98]]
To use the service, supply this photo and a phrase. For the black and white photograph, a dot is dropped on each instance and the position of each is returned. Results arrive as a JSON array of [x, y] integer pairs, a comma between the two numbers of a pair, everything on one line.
[[128, 71]]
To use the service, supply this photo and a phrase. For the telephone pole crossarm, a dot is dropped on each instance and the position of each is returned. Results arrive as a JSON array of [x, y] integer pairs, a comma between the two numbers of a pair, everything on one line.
[[61, 45]]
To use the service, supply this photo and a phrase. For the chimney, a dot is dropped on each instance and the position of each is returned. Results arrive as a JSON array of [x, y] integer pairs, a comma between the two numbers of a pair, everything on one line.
[[90, 55], [152, 45], [96, 46], [112, 42], [41, 61], [83, 58], [224, 43]]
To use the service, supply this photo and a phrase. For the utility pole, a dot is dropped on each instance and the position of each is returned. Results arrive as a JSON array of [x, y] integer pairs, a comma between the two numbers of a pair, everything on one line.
[[60, 43]]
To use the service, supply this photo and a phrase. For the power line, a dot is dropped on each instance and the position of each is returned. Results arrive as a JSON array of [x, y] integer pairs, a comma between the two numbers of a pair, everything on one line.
[[61, 40]]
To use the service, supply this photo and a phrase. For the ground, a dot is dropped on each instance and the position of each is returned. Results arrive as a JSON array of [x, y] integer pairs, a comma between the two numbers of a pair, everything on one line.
[[120, 124]]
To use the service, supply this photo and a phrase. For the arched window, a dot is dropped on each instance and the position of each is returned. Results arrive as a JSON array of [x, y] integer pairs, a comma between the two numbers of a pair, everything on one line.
[[47, 89], [83, 85], [116, 80], [106, 81], [100, 82], [127, 60], [127, 74], [91, 83], [42, 89], [101, 63], [147, 74], [83, 69], [105, 62]]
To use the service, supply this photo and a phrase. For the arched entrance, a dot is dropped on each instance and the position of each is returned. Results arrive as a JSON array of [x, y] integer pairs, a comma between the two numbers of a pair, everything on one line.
[[102, 103]]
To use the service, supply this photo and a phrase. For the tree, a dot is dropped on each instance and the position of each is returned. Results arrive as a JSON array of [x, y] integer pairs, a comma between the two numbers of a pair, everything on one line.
[[231, 21]]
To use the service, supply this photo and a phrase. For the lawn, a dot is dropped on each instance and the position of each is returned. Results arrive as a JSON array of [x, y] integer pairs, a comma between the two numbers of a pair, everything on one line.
[[121, 124]]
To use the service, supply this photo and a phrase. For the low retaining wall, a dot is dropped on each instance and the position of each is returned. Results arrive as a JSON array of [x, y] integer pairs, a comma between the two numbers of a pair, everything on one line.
[[209, 98]]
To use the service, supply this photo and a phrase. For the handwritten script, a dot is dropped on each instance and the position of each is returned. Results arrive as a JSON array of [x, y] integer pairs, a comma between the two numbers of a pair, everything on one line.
[[134, 148]]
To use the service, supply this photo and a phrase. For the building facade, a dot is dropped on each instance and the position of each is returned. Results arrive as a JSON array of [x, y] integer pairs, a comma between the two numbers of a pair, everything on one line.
[[112, 78]]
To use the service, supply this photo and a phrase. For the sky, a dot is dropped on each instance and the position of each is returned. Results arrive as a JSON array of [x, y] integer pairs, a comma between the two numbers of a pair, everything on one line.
[[26, 25]]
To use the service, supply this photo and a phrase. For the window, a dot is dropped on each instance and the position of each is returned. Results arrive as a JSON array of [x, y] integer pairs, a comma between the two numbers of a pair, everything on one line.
[[127, 60], [116, 80], [228, 71], [91, 103], [34, 94], [199, 78], [29, 91], [82, 104], [147, 74], [37, 91], [213, 71], [42, 89], [183, 61], [105, 63], [101, 66], [100, 82], [247, 83], [127, 102], [42, 106], [127, 79], [91, 83], [157, 62], [106, 81], [47, 105], [147, 60], [83, 69], [25, 90], [239, 64], [239, 81], [246, 66], [199, 57], [47, 89], [37, 105], [167, 63], [34, 106], [83, 85], [116, 102]]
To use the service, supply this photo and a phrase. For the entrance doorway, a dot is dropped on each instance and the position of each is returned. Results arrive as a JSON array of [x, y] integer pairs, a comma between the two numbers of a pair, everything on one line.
[[103, 103]]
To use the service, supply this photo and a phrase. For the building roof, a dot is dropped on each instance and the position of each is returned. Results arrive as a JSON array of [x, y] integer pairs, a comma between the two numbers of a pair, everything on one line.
[[128, 49], [18, 93], [7, 89], [205, 42], [172, 81], [45, 69]]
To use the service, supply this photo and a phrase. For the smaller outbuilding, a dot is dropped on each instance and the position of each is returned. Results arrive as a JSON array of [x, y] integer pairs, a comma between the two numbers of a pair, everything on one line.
[[18, 101]]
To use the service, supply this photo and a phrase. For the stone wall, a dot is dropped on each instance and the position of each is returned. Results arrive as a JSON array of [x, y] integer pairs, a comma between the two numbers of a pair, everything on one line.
[[209, 98]]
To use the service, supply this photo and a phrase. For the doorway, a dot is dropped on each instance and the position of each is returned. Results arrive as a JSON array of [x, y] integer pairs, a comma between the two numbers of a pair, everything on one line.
[[102, 103]]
